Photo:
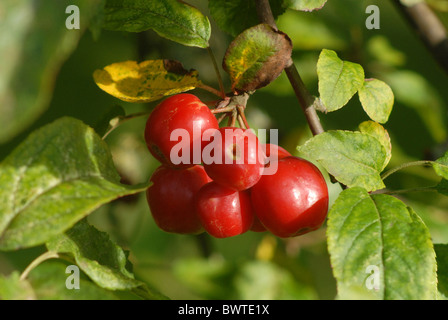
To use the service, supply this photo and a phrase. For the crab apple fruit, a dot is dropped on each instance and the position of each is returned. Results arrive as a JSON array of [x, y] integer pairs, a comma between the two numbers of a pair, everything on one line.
[[234, 158], [171, 198], [180, 117], [294, 200], [224, 212]]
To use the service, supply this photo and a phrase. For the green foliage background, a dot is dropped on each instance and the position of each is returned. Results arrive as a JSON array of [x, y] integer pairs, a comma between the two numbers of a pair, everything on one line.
[[253, 265]]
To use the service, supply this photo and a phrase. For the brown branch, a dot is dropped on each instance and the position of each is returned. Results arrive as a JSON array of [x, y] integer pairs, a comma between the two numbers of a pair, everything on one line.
[[429, 28], [306, 99]]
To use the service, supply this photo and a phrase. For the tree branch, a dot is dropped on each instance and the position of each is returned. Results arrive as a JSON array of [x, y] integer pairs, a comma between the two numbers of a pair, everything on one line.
[[429, 28], [306, 99]]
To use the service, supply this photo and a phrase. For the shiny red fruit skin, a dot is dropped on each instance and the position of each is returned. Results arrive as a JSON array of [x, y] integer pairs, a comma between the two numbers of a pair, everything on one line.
[[294, 200], [177, 112], [237, 176], [171, 198], [224, 212]]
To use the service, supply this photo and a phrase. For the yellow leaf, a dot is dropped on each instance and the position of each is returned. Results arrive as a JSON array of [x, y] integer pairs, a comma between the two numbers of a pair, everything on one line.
[[146, 81]]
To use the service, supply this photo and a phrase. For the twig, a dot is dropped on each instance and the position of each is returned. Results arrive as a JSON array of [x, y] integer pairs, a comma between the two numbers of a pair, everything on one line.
[[210, 89], [305, 98], [242, 115], [218, 74], [429, 28]]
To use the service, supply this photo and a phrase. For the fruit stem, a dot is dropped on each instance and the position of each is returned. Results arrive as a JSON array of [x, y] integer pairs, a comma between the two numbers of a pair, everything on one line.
[[232, 119], [241, 122], [210, 89], [223, 110], [243, 116]]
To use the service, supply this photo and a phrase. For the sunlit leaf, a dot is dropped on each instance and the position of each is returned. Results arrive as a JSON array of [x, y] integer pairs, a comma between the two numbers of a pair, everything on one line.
[[441, 166], [146, 81], [99, 257], [58, 175], [353, 158], [377, 99], [376, 130], [338, 80], [304, 5], [171, 19], [379, 246], [49, 283]]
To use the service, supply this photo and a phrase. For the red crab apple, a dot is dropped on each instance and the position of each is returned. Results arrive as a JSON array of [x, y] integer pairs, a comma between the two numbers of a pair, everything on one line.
[[224, 212], [175, 127], [294, 200], [171, 198], [234, 158]]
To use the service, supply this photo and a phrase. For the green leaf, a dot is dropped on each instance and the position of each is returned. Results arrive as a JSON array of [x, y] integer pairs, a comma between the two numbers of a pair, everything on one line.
[[377, 131], [353, 158], [304, 5], [441, 166], [380, 247], [12, 288], [235, 16], [49, 283], [171, 19], [35, 43], [377, 99], [257, 57], [442, 267], [100, 258], [146, 81], [338, 80], [442, 187], [58, 175]]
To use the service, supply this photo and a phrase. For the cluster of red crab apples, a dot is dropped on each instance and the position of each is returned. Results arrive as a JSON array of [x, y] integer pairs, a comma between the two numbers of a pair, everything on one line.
[[221, 181]]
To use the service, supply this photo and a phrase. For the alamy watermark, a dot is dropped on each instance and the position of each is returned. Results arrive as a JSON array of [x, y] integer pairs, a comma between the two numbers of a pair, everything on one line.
[[73, 20], [373, 20], [72, 281], [373, 280], [235, 146]]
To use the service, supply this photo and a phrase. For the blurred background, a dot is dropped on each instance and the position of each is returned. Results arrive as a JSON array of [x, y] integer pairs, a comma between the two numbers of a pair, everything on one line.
[[255, 265]]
